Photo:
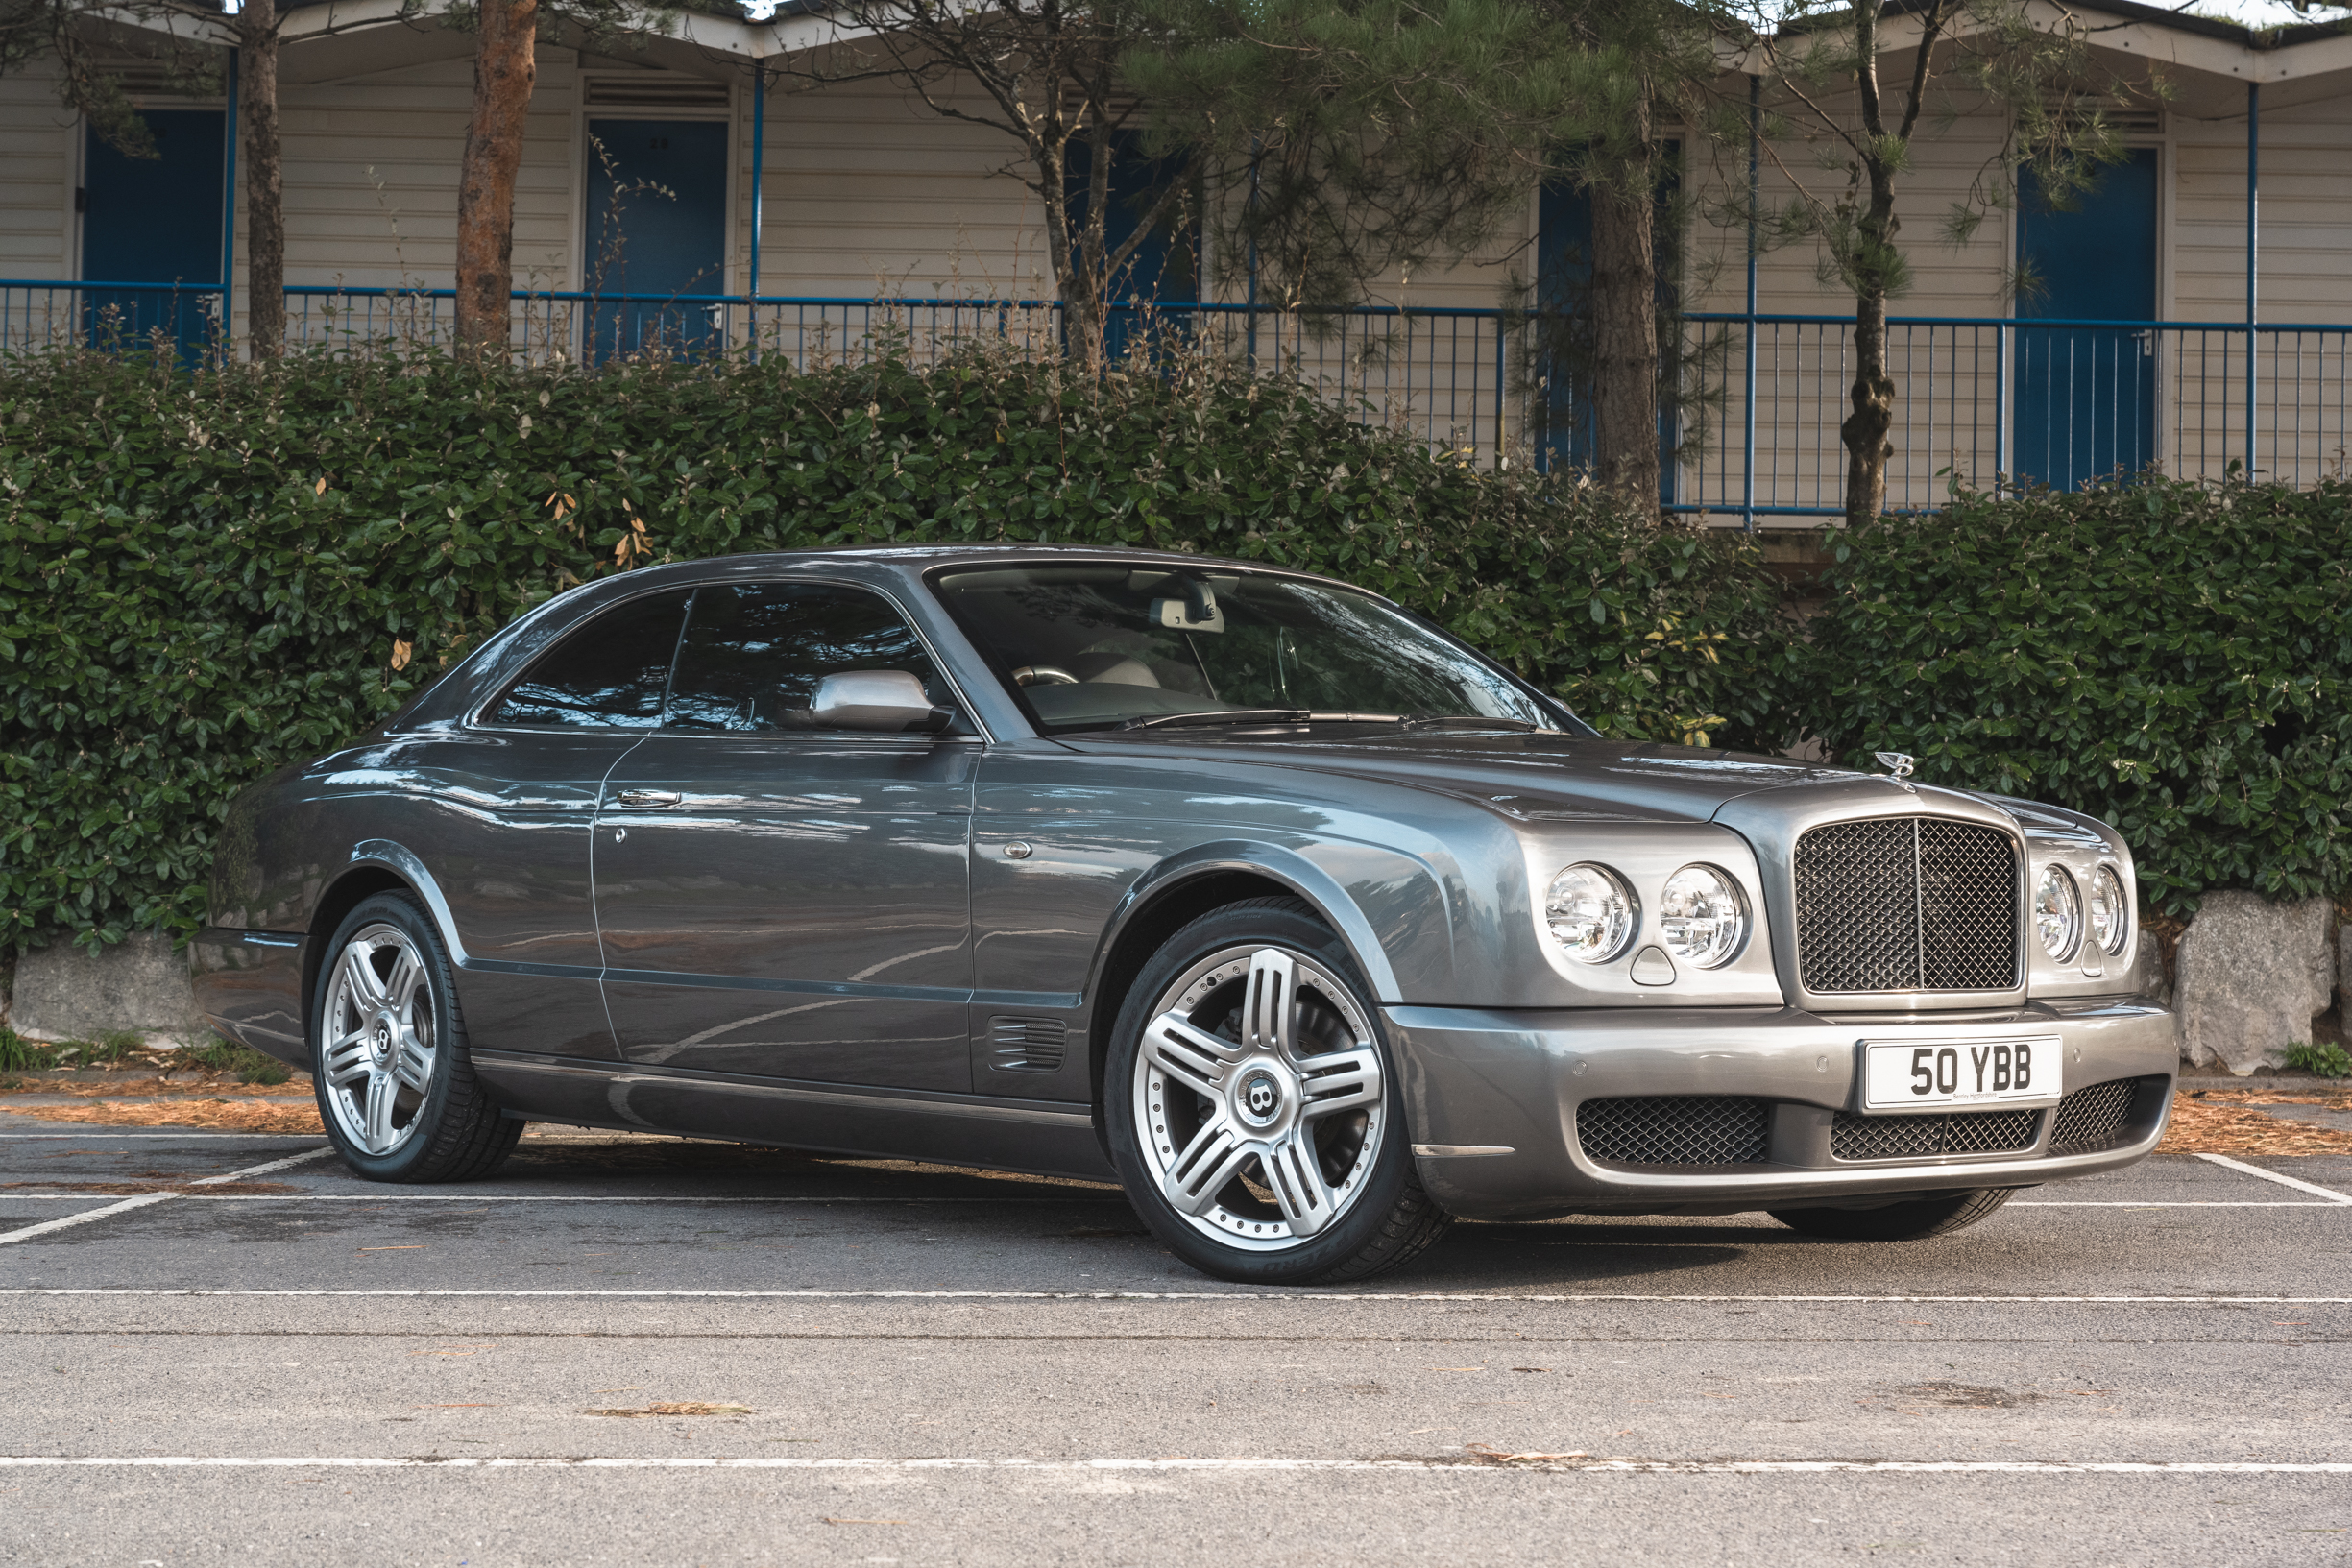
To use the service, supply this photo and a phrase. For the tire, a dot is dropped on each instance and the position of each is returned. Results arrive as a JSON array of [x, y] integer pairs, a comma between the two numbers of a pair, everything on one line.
[[1264, 1156], [1916, 1220], [396, 1089]]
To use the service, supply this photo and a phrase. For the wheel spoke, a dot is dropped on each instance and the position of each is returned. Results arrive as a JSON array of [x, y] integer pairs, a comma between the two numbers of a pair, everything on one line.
[[412, 1061], [1206, 1167], [367, 992], [1296, 1178], [384, 1091], [1340, 1081], [347, 1057], [1190, 1054], [401, 989], [1267, 1005]]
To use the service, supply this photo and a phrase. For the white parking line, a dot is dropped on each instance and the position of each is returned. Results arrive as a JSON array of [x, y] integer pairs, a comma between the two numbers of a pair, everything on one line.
[[2151, 1203], [162, 1137], [2295, 1182], [1498, 1463], [1553, 1298], [144, 1199]]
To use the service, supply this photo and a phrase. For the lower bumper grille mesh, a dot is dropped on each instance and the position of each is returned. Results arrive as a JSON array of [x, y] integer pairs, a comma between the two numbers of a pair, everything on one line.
[[1675, 1129], [2097, 1117], [1854, 1136]]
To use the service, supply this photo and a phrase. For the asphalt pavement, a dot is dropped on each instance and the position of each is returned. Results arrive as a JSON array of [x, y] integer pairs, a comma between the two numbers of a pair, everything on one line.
[[637, 1350]]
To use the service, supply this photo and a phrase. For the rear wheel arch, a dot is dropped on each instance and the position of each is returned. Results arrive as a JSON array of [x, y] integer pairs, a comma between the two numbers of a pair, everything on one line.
[[378, 866]]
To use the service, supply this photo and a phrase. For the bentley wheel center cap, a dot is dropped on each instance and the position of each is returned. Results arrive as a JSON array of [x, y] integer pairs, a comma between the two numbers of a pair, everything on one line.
[[381, 1042], [1260, 1096]]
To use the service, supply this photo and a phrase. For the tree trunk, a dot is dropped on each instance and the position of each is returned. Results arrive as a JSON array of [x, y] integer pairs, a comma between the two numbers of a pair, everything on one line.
[[1865, 429], [1625, 329], [265, 222], [504, 70]]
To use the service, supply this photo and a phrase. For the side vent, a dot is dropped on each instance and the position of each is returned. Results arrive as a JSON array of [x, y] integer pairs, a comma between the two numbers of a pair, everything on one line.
[[1026, 1045]]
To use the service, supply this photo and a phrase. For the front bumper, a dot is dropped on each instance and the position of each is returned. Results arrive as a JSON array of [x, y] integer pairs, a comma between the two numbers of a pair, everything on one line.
[[1508, 1085]]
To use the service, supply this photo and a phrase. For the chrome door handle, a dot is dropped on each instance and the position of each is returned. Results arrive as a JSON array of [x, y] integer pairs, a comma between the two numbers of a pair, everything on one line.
[[649, 797]]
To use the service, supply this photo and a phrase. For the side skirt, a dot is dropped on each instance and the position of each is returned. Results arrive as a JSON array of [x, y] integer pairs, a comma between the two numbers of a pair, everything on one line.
[[1028, 1136]]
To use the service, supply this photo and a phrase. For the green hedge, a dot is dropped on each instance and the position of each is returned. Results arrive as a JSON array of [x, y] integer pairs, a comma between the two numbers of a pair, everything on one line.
[[2173, 658], [202, 577]]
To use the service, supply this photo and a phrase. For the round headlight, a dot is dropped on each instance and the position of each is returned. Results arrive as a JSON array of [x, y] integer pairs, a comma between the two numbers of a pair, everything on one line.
[[1701, 916], [2057, 914], [2110, 915], [1589, 912]]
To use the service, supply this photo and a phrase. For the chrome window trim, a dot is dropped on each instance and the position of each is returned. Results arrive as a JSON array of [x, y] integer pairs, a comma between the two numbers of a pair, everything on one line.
[[473, 723]]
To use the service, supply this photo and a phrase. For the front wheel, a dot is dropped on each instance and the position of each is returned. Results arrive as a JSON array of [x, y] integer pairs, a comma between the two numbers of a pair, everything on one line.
[[1915, 1221], [395, 1088], [1254, 1113]]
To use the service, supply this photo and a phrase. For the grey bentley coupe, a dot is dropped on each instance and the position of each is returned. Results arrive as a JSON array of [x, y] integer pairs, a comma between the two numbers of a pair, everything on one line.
[[1257, 893]]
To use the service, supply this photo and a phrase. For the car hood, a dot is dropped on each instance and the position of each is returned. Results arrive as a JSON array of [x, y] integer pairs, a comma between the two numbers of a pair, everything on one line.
[[1533, 777]]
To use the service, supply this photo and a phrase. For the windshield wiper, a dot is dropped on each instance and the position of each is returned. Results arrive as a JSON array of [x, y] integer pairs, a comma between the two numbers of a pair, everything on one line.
[[1259, 716], [1466, 721]]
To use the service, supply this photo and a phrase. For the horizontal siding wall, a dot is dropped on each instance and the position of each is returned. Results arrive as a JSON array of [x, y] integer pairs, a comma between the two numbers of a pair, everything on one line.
[[2303, 423], [37, 158], [371, 182], [1948, 378]]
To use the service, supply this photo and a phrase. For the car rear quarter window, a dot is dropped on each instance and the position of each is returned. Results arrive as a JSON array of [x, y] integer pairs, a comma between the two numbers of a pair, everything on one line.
[[608, 673], [754, 652]]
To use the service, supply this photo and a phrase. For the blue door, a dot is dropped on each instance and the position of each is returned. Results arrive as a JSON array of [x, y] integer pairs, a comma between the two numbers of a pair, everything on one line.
[[1165, 270], [1564, 345], [657, 228], [2085, 400], [155, 221]]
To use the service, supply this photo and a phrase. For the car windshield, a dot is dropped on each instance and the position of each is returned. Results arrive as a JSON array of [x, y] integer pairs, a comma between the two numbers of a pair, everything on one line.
[[1095, 646]]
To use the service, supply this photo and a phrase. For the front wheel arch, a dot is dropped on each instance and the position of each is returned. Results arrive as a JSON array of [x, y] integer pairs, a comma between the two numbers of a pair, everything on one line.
[[1174, 895]]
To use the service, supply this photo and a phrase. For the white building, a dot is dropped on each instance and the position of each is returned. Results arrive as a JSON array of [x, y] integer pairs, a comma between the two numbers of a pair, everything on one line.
[[692, 170]]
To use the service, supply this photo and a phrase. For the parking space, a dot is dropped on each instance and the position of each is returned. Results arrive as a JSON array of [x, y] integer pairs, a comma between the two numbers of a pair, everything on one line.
[[636, 1349]]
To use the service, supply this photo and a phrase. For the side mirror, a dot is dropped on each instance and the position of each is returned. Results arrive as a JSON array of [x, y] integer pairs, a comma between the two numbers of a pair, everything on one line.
[[887, 700]]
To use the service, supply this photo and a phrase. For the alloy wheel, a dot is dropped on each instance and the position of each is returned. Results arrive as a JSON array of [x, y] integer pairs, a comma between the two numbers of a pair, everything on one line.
[[380, 1049], [1259, 1098]]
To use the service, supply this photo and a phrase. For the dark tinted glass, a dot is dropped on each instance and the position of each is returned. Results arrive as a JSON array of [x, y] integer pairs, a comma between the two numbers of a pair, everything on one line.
[[607, 674], [755, 651]]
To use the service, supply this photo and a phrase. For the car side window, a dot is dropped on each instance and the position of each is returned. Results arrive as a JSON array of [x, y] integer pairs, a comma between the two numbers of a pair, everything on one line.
[[754, 652], [608, 673]]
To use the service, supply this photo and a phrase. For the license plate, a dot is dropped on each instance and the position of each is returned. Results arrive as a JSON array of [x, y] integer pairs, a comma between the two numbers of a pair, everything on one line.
[[1942, 1073]]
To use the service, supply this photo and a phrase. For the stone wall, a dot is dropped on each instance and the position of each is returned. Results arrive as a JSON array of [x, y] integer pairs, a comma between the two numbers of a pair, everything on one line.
[[138, 987]]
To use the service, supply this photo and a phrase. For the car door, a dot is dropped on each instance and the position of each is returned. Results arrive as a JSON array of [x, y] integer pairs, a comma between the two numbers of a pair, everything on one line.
[[511, 803], [790, 903]]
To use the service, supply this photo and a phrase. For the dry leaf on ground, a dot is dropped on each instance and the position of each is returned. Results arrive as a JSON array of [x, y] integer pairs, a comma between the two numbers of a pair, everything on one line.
[[687, 1406], [229, 1115], [2210, 1126], [132, 1088]]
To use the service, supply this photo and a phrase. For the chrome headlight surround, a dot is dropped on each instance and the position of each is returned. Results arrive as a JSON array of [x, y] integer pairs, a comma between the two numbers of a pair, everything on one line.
[[1589, 912], [2057, 912], [1702, 917], [2110, 911]]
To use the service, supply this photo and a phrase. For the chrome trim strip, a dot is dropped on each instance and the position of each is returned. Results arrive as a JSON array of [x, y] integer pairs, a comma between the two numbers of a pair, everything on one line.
[[1461, 1151], [1030, 1112]]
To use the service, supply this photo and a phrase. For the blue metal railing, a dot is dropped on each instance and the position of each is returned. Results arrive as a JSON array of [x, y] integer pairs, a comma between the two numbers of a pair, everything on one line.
[[2055, 401], [1981, 399], [37, 316]]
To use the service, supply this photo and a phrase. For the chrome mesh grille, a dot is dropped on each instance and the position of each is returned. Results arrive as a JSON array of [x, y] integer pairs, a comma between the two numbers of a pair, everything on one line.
[[1675, 1129], [1906, 904], [2095, 1118], [1854, 1136]]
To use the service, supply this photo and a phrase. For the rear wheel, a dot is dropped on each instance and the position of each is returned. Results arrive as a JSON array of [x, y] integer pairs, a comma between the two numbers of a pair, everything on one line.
[[1253, 1109], [395, 1088], [1916, 1220]]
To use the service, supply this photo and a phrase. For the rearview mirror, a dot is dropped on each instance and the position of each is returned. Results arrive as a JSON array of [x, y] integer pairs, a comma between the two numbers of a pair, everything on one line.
[[890, 701]]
